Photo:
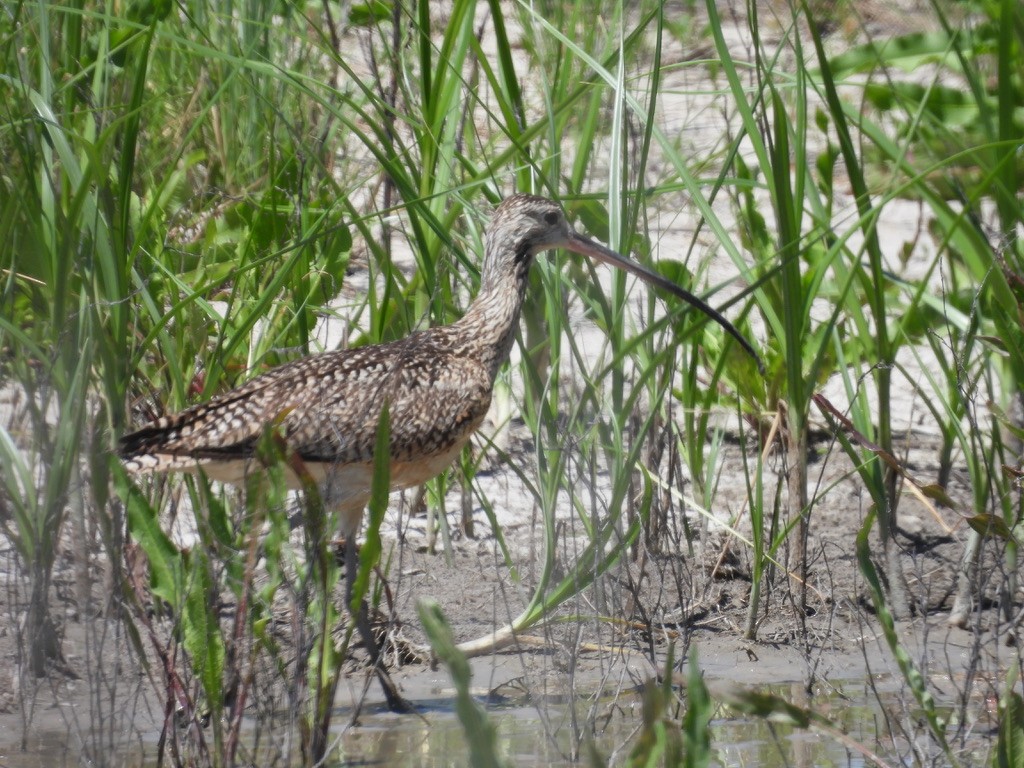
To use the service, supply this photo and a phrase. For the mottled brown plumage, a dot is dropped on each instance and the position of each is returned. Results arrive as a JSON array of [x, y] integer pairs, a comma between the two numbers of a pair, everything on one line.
[[437, 384]]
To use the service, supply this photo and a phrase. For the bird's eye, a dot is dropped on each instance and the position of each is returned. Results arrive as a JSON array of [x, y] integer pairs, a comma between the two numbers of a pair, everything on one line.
[[551, 218]]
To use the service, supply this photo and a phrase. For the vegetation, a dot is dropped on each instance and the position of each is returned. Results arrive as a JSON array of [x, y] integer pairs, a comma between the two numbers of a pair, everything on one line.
[[193, 193]]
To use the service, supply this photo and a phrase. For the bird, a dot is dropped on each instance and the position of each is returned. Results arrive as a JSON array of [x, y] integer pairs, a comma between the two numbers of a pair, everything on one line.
[[436, 385]]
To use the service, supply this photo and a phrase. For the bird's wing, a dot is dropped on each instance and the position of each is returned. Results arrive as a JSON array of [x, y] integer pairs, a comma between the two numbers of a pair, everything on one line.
[[435, 400], [328, 407], [229, 424]]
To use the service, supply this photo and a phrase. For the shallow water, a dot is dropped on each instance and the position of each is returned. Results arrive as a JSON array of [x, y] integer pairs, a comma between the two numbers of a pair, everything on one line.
[[546, 735], [523, 742]]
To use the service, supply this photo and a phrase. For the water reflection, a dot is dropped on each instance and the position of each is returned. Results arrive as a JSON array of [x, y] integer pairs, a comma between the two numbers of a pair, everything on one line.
[[543, 736], [552, 733]]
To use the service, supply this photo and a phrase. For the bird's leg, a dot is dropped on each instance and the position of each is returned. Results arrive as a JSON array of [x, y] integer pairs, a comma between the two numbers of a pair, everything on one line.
[[394, 699]]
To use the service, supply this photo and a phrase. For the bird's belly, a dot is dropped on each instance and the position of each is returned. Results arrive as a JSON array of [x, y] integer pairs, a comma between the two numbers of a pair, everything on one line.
[[340, 482], [406, 474], [343, 486], [347, 487], [356, 478]]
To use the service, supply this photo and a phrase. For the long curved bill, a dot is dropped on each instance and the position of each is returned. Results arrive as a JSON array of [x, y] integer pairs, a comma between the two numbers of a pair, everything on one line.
[[587, 247]]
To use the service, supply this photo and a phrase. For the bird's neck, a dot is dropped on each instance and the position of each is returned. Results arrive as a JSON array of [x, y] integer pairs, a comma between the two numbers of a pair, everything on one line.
[[489, 326]]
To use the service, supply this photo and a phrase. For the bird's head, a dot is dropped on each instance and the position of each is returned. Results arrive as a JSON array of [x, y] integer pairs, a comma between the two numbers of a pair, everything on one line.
[[522, 227], [525, 225]]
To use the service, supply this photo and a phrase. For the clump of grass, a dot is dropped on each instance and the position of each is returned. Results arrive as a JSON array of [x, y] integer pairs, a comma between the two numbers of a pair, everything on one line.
[[187, 195]]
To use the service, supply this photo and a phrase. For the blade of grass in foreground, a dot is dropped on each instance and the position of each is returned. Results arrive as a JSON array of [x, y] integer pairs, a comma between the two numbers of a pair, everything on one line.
[[913, 676], [481, 733]]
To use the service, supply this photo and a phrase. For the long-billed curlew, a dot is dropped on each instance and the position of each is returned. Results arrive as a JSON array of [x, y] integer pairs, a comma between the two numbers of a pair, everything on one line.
[[436, 383]]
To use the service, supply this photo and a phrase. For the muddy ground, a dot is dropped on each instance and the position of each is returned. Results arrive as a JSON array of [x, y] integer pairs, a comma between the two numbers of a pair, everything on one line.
[[692, 595]]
